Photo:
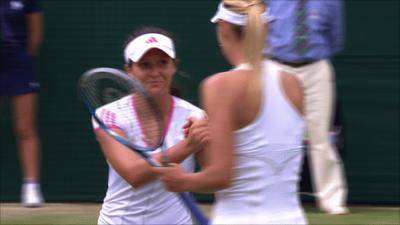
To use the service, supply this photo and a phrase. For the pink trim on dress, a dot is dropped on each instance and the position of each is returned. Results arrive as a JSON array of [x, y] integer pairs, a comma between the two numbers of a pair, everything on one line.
[[108, 118], [168, 121], [171, 112], [137, 116]]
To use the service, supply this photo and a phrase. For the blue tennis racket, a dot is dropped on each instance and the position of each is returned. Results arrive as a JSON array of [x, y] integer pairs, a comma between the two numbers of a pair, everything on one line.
[[101, 86]]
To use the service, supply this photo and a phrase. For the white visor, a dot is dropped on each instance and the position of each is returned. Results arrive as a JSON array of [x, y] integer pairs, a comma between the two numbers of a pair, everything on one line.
[[235, 18], [140, 45]]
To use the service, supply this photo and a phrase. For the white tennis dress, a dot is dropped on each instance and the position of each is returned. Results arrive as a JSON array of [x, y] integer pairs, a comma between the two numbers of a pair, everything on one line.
[[149, 203], [268, 157]]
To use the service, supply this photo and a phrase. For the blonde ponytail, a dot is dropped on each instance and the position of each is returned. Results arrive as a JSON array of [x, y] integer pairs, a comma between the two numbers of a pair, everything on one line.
[[254, 37], [254, 42]]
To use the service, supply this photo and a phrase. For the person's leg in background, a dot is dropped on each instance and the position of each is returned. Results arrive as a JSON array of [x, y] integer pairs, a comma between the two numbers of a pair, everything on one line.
[[24, 117], [338, 128], [326, 167]]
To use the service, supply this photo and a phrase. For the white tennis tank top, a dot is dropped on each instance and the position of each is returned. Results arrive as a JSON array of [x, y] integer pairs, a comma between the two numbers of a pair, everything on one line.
[[149, 203], [268, 157]]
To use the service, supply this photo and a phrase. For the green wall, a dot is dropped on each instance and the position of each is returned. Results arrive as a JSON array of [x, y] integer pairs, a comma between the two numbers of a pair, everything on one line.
[[84, 34]]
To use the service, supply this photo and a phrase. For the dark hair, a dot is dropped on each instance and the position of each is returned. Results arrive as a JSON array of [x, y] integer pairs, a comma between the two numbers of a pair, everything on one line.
[[175, 90]]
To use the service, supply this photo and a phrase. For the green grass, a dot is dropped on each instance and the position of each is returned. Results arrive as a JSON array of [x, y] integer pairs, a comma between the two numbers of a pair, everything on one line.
[[74, 213], [86, 214], [358, 215]]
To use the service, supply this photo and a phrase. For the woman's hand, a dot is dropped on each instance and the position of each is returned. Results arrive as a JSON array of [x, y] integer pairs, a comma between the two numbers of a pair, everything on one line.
[[174, 177], [197, 132]]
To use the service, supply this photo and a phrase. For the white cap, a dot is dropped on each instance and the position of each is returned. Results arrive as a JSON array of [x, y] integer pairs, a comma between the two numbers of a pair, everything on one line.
[[235, 18], [140, 45]]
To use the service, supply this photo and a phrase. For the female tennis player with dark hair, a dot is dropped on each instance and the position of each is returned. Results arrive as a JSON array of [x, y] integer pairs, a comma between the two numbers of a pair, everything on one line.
[[134, 196], [255, 117]]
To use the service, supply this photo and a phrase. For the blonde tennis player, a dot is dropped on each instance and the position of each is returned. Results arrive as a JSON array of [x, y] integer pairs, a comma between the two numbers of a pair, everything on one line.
[[255, 153]]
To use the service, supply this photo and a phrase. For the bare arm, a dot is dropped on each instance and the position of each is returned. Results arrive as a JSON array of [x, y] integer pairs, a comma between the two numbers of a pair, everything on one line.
[[35, 31], [293, 90], [217, 171], [131, 166], [218, 97]]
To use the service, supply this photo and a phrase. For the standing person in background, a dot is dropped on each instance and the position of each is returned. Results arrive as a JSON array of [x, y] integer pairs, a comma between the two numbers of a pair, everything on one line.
[[134, 195], [21, 29], [303, 36], [255, 153]]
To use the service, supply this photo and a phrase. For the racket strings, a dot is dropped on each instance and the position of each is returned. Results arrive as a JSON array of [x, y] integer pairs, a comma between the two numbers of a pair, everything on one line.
[[139, 115], [101, 89], [91, 95], [101, 86], [149, 120]]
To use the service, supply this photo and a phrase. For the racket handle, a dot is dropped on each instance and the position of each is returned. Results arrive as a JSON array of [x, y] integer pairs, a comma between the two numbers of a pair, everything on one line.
[[189, 201]]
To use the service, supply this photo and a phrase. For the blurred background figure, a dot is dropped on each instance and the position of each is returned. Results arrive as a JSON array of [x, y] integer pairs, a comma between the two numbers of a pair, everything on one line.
[[303, 36], [21, 29]]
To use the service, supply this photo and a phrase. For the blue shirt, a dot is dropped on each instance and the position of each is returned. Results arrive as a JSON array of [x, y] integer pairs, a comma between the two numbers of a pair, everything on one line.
[[13, 20], [325, 35]]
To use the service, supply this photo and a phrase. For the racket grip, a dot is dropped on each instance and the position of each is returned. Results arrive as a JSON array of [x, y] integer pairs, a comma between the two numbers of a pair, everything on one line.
[[189, 201]]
